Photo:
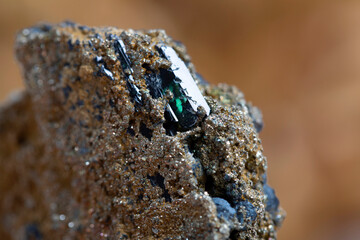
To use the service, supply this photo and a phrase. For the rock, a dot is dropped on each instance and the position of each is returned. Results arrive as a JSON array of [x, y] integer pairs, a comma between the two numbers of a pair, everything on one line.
[[117, 137]]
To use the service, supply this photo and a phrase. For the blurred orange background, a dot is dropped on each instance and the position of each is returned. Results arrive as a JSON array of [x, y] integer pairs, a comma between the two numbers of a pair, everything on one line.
[[298, 60]]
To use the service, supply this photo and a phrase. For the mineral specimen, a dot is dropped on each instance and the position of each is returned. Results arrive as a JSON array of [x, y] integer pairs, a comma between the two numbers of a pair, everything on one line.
[[117, 137]]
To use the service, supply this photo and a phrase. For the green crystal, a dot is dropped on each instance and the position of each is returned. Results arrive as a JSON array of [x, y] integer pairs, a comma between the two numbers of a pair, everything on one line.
[[186, 94], [179, 107]]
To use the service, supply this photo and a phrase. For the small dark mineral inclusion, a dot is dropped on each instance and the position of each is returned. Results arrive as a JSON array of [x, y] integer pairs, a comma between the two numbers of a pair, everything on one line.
[[32, 232]]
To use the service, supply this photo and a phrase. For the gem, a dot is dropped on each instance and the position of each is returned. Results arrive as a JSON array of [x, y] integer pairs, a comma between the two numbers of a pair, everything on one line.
[[187, 97]]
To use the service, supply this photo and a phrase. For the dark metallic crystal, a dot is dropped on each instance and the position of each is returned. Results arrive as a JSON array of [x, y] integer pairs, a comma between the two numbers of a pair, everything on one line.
[[126, 66]]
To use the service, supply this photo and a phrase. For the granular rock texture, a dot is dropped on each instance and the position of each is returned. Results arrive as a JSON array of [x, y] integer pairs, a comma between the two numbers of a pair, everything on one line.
[[117, 137]]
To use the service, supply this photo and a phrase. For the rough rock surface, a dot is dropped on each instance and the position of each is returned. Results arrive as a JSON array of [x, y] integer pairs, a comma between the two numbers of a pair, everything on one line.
[[83, 158]]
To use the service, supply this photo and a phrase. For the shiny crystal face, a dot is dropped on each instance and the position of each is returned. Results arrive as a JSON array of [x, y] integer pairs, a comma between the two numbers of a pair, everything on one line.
[[182, 111], [187, 97], [126, 66]]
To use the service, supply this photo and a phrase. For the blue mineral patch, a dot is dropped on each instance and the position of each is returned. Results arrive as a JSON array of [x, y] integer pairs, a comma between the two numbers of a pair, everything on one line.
[[39, 29], [83, 150], [66, 91], [197, 169], [111, 103], [32, 232], [90, 43], [80, 102], [83, 28], [233, 191], [224, 209], [98, 117], [246, 207], [110, 36], [272, 202], [264, 177], [227, 177], [70, 45], [68, 23], [97, 36]]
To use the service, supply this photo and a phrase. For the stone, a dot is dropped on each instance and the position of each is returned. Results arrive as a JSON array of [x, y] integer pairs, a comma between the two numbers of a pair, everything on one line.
[[116, 136]]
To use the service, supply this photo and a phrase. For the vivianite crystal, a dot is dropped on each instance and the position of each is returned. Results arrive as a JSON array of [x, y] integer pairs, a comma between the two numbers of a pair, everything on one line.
[[187, 98], [126, 67], [117, 137]]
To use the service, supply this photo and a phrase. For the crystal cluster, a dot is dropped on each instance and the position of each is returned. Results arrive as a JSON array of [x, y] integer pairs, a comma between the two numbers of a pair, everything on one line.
[[117, 137]]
